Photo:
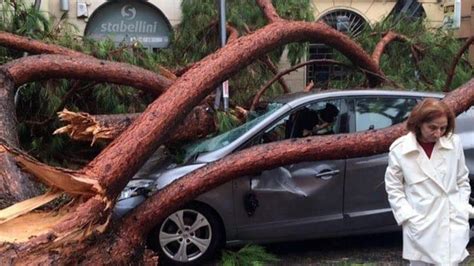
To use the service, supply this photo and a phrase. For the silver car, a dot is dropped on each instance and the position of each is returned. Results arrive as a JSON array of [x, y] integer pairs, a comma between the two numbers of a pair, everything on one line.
[[311, 199]]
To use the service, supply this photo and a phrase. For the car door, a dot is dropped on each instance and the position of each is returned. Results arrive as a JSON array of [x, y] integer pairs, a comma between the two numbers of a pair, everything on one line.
[[365, 201], [293, 201]]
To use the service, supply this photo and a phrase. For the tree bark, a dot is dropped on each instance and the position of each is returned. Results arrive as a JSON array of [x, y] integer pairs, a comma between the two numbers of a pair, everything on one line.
[[389, 37], [455, 62], [14, 184], [268, 10], [262, 90], [17, 185], [129, 240], [268, 62], [29, 45], [41, 67]]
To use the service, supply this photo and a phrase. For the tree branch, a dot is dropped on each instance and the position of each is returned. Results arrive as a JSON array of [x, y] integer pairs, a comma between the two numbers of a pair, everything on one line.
[[74, 87], [35, 47], [41, 67], [232, 33], [456, 59], [260, 92], [268, 62], [389, 37], [269, 10]]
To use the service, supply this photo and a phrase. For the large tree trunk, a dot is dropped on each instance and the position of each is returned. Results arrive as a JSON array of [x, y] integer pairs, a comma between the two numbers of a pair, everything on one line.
[[109, 172], [15, 185]]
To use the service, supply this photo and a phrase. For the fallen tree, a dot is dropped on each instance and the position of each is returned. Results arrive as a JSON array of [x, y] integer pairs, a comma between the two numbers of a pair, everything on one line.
[[95, 187]]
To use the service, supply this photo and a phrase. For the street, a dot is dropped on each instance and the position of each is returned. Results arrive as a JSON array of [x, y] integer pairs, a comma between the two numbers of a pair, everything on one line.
[[376, 249]]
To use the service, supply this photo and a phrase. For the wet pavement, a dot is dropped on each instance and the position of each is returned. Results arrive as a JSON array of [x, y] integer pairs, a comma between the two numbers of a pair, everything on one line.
[[377, 249]]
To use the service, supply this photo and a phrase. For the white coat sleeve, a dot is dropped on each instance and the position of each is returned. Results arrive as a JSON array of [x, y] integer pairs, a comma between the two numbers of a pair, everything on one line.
[[394, 185], [462, 179]]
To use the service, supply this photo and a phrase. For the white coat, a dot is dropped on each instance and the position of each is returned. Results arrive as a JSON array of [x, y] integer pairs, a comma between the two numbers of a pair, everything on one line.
[[430, 199]]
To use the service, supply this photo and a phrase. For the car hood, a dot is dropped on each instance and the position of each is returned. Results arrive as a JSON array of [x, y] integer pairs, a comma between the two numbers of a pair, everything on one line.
[[165, 177]]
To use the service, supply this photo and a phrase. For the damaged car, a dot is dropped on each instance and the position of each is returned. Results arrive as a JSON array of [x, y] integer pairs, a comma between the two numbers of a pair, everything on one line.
[[311, 199]]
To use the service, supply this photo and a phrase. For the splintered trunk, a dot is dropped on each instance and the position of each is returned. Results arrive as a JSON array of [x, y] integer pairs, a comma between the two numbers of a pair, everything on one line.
[[85, 127]]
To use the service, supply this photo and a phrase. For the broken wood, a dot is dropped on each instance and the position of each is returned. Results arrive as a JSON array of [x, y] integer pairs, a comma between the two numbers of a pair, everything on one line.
[[85, 127]]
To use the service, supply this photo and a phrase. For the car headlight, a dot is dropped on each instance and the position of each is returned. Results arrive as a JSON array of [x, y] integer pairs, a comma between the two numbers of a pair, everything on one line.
[[137, 187]]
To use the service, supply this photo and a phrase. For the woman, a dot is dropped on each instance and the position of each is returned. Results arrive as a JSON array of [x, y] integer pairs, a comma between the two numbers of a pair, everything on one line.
[[428, 187]]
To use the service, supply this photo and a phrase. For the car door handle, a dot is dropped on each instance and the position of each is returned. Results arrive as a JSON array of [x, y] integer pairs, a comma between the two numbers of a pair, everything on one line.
[[325, 175]]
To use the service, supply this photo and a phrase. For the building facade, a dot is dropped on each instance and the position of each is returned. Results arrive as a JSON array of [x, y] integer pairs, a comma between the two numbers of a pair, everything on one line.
[[151, 22]]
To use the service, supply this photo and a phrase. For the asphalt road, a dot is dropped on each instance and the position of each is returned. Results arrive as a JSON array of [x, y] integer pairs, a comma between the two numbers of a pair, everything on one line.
[[378, 249]]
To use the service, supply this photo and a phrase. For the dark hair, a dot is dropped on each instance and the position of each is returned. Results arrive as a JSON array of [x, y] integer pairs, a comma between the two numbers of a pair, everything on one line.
[[329, 113], [428, 110]]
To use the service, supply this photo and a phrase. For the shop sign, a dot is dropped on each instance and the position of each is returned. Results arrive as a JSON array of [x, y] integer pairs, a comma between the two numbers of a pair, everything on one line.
[[128, 22]]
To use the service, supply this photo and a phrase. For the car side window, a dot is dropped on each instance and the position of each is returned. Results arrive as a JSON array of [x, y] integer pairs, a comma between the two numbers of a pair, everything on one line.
[[319, 118], [381, 112]]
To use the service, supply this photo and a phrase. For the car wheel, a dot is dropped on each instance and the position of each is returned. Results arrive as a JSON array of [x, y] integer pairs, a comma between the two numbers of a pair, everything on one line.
[[188, 236]]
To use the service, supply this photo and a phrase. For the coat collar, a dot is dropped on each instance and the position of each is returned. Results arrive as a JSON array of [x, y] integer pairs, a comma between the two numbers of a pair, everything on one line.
[[446, 142], [411, 144]]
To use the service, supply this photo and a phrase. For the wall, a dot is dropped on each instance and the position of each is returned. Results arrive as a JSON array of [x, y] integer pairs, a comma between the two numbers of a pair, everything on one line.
[[467, 24], [371, 10], [170, 9]]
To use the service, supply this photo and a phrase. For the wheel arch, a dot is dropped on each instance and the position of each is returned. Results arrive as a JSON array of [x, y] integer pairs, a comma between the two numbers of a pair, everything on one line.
[[214, 212]]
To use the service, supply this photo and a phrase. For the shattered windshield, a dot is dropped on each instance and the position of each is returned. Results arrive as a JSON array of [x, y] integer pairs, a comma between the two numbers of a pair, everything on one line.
[[224, 139]]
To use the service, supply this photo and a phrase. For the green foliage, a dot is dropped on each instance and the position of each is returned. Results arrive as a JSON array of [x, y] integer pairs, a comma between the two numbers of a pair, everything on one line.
[[197, 36], [226, 121], [249, 255], [438, 50], [19, 18]]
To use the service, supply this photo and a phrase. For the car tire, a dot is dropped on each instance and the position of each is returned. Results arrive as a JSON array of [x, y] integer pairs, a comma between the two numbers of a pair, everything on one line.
[[189, 236]]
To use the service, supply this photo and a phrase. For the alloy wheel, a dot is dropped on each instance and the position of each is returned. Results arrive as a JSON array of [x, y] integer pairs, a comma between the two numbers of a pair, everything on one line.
[[185, 235]]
